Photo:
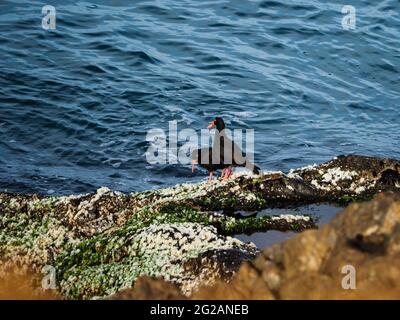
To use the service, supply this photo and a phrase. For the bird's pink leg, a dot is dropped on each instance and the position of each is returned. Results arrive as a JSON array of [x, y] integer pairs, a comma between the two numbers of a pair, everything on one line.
[[230, 171], [226, 174], [210, 176]]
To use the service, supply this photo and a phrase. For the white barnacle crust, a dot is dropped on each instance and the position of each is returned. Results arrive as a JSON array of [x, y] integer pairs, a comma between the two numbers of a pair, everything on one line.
[[162, 251], [334, 175], [291, 218]]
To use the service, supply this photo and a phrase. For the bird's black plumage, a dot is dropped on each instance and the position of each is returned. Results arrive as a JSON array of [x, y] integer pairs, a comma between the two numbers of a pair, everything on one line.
[[208, 159]]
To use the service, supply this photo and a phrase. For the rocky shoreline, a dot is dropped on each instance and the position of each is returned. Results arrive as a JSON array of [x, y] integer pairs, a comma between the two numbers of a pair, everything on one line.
[[101, 243], [356, 256]]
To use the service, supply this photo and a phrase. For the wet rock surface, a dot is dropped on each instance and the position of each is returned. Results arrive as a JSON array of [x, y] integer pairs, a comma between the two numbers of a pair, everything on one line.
[[351, 176], [101, 243]]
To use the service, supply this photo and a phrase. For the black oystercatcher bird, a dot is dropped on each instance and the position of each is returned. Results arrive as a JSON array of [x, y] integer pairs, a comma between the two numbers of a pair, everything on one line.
[[209, 160], [230, 152]]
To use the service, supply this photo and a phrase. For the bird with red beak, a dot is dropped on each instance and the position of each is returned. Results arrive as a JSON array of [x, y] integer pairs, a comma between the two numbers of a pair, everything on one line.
[[218, 123]]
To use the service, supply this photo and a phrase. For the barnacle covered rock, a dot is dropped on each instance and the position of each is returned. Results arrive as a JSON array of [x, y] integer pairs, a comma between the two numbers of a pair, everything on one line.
[[102, 242]]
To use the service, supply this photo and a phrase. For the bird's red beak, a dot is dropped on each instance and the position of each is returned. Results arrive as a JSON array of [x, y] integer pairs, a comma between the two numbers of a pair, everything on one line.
[[212, 124]]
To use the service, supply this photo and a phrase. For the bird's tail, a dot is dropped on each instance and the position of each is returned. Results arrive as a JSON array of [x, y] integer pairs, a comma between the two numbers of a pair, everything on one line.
[[251, 166], [256, 170]]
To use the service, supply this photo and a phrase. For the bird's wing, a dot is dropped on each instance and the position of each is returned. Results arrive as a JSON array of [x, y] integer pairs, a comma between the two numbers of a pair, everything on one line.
[[230, 151], [238, 156], [215, 156]]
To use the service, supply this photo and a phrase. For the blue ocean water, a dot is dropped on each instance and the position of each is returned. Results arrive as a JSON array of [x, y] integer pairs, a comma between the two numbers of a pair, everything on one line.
[[76, 102]]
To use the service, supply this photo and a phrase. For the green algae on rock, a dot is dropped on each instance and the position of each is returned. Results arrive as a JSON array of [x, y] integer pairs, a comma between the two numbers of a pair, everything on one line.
[[102, 266]]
